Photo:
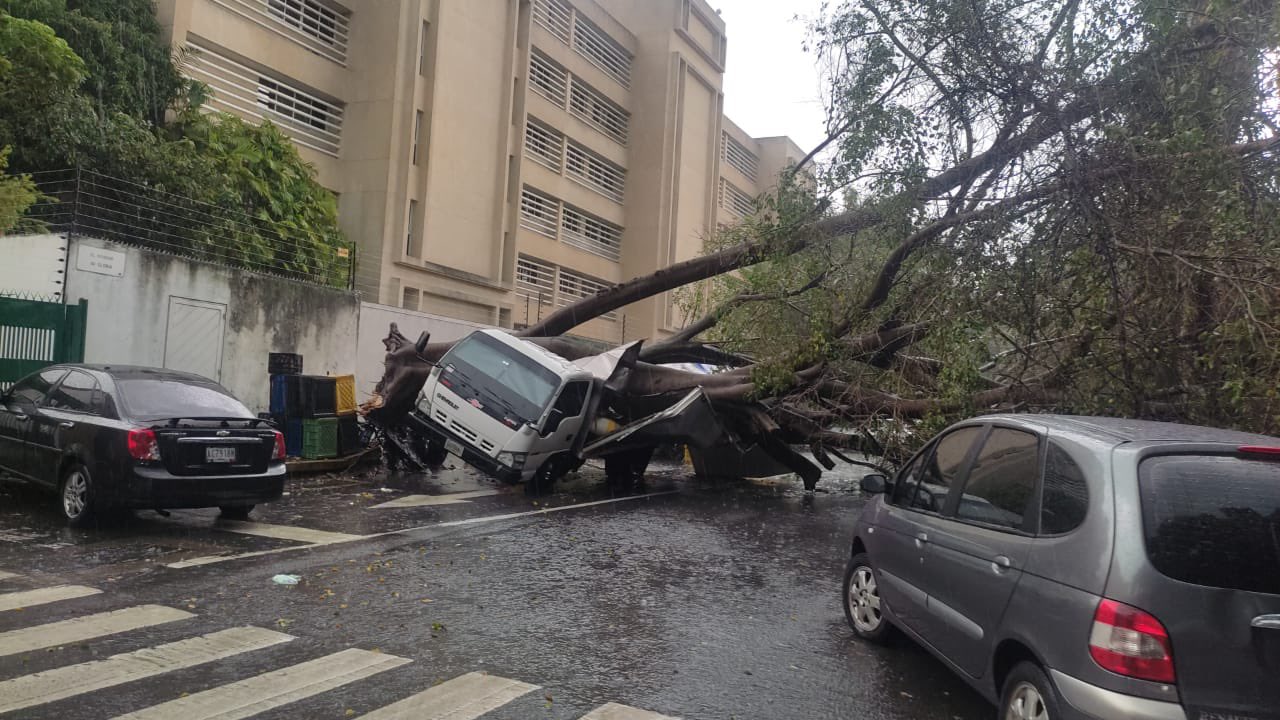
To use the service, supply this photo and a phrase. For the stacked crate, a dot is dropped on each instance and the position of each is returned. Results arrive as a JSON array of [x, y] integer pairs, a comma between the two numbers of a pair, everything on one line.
[[304, 407], [348, 425]]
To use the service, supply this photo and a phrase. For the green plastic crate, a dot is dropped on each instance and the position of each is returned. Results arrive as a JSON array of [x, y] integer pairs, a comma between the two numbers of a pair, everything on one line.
[[319, 438]]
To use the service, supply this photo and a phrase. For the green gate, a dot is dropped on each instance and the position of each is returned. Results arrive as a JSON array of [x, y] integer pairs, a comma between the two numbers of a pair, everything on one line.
[[34, 334]]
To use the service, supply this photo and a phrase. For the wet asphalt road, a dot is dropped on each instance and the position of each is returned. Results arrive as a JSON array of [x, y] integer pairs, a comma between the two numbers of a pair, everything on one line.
[[698, 600]]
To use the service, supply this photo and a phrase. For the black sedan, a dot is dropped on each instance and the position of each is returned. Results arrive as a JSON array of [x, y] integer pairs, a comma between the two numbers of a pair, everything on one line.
[[109, 436]]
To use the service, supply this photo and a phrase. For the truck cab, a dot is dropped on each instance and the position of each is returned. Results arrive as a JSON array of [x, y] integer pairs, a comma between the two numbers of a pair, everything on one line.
[[506, 407]]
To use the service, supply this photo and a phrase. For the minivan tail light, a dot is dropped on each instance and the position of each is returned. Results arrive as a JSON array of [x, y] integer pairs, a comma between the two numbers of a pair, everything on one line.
[[279, 452], [1130, 642], [143, 445]]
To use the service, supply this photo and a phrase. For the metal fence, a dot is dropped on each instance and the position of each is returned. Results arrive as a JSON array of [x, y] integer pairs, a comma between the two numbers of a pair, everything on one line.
[[87, 203], [35, 333]]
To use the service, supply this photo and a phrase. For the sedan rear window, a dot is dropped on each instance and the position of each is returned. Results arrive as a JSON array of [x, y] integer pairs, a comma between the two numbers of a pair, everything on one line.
[[147, 399], [1213, 520]]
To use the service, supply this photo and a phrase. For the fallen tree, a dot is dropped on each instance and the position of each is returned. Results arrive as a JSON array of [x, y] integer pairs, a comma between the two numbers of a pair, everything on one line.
[[1067, 206]]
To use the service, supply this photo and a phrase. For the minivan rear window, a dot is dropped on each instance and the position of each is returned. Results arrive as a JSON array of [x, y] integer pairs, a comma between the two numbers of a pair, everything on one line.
[[1213, 520]]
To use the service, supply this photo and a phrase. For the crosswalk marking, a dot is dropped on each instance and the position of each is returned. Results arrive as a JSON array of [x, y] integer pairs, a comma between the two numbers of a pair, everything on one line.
[[6, 575], [423, 500], [286, 532], [614, 711], [462, 698], [27, 598], [87, 627], [71, 680], [271, 690]]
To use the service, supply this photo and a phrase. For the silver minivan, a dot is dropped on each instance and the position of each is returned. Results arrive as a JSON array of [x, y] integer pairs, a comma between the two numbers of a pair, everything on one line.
[[1079, 567]]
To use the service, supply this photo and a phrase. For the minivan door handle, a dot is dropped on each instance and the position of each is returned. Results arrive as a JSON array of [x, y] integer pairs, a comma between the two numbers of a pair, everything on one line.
[[921, 539], [1267, 622], [66, 424], [1000, 563]]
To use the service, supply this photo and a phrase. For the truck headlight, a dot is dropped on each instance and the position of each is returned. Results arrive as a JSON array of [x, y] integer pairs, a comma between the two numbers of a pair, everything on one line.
[[513, 460]]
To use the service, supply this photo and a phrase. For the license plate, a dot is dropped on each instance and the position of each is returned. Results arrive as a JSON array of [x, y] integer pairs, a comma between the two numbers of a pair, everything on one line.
[[220, 454], [453, 447]]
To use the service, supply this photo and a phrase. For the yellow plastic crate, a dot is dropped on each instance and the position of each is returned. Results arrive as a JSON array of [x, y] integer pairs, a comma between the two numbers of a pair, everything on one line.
[[345, 387]]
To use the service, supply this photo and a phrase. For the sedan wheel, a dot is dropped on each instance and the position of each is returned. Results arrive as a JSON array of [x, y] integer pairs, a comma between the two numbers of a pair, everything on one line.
[[1025, 703], [77, 495]]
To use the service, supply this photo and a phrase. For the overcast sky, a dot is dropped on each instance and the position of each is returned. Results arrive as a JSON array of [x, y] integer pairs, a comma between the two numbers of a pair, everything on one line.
[[771, 85]]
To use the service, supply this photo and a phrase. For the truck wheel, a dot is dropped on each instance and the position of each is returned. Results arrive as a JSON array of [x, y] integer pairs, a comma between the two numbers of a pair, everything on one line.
[[235, 512], [435, 454], [546, 475], [617, 473]]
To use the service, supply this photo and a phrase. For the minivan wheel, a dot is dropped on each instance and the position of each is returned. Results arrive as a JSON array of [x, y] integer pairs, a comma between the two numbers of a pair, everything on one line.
[[78, 505], [862, 601], [1028, 695]]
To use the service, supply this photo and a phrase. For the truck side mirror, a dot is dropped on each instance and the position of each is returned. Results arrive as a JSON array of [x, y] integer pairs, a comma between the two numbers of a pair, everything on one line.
[[874, 484], [553, 421]]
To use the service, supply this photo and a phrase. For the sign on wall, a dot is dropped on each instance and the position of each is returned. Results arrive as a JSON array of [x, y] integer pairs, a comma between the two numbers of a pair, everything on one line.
[[100, 260]]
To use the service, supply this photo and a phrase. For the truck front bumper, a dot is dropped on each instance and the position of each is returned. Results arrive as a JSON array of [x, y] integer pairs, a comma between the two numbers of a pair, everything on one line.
[[437, 435]]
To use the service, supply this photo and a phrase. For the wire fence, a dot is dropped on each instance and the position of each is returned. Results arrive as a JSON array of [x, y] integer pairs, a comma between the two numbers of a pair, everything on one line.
[[83, 202]]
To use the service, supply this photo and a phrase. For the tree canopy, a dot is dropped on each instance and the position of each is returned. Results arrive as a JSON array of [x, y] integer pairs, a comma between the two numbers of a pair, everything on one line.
[[90, 84], [1064, 205]]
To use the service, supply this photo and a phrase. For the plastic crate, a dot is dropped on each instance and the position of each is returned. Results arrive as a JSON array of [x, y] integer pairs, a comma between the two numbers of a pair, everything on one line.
[[303, 396], [286, 395], [284, 363], [319, 396], [319, 438], [292, 429], [345, 394], [349, 435]]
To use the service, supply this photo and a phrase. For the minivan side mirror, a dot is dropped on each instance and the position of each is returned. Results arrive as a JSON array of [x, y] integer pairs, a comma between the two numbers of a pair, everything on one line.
[[874, 484]]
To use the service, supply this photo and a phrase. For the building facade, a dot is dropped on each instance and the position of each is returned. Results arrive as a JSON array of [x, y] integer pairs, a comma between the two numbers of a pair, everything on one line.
[[497, 159]]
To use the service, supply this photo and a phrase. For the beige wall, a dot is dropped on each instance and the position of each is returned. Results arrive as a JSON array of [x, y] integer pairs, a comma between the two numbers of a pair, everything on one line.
[[469, 256]]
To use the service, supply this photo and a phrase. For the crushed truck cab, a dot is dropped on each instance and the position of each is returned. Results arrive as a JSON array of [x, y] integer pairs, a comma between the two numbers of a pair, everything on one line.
[[507, 407]]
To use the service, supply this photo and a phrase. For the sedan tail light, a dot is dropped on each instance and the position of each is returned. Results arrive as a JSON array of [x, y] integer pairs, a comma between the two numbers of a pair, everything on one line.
[[1130, 642], [143, 445], [279, 452]]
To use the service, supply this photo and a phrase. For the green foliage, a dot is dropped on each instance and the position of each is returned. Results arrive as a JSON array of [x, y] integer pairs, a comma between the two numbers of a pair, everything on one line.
[[205, 184], [17, 193], [127, 65], [1144, 284]]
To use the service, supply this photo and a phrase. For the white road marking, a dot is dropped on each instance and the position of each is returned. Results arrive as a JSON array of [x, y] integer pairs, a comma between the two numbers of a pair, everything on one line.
[[462, 698], [422, 500], [87, 627], [271, 690], [614, 711], [285, 532], [27, 598], [7, 575], [71, 680], [543, 511], [210, 559]]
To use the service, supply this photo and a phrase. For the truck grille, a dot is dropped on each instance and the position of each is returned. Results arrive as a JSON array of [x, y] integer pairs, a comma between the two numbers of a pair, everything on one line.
[[467, 433]]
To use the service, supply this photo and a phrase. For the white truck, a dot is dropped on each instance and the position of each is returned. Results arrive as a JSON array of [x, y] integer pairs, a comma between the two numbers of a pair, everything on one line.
[[507, 407]]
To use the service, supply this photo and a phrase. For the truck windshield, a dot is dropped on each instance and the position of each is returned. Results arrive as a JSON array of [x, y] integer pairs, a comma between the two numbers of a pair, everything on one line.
[[491, 366]]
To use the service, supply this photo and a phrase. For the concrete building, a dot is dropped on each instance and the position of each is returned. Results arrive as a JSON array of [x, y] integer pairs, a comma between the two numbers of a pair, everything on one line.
[[496, 159]]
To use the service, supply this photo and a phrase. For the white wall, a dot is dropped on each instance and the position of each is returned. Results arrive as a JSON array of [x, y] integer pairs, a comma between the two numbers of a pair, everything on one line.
[[129, 317], [375, 323], [32, 265]]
